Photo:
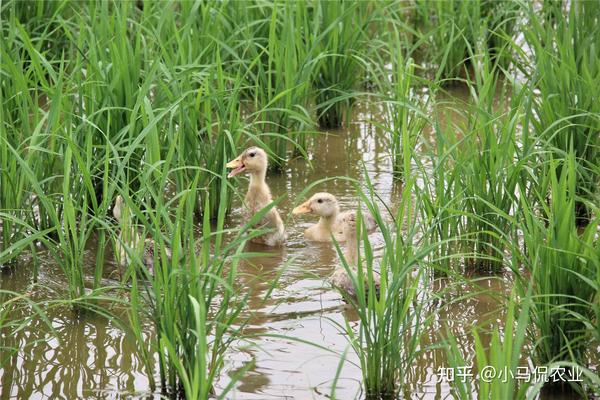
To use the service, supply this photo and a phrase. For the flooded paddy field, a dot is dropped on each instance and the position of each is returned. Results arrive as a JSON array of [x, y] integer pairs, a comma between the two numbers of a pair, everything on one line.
[[140, 252]]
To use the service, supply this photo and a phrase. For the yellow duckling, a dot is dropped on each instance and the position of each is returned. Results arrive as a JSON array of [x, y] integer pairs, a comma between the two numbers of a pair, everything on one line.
[[326, 206], [254, 161], [340, 278], [130, 238]]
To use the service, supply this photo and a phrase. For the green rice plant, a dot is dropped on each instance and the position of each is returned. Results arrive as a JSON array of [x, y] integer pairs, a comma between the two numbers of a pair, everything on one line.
[[22, 177], [190, 34], [192, 297], [590, 381], [594, 321], [337, 39], [26, 81], [210, 124], [455, 29], [50, 168], [562, 262], [498, 373], [502, 23], [448, 25], [254, 48], [392, 318], [112, 94], [72, 224], [403, 119], [137, 109], [41, 22], [282, 83], [14, 224], [566, 64], [202, 74], [491, 168], [441, 197]]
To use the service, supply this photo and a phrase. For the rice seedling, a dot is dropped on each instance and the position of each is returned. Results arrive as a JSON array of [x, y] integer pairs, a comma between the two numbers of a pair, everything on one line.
[[498, 373], [135, 108], [215, 142], [456, 29], [588, 380], [447, 24], [191, 298], [206, 81], [405, 120], [502, 21], [403, 116], [281, 82], [23, 131], [566, 64], [490, 169], [391, 319], [562, 263], [54, 169], [337, 40], [441, 196]]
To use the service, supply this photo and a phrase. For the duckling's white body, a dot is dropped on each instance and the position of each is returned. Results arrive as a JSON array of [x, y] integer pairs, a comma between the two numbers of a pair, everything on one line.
[[258, 196], [331, 221], [340, 279]]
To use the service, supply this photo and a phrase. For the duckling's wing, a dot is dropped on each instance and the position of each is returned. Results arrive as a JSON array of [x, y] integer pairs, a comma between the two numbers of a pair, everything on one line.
[[342, 282], [272, 221], [369, 221]]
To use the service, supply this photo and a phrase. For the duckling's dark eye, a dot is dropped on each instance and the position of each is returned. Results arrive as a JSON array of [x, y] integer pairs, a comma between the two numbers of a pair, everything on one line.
[[252, 154], [320, 201]]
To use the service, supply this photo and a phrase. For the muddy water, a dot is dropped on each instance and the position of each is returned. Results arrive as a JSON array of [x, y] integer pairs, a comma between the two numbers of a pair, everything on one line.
[[92, 358], [304, 305]]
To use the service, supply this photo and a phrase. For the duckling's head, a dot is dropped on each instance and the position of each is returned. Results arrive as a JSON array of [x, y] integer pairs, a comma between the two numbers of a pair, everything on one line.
[[253, 160], [118, 208], [322, 204]]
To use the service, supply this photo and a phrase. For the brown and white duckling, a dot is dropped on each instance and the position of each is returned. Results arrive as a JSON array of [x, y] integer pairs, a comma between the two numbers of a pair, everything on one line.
[[326, 206], [130, 238], [340, 278], [254, 161]]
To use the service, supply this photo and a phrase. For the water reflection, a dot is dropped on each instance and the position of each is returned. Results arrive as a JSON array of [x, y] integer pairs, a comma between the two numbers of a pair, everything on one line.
[[83, 358]]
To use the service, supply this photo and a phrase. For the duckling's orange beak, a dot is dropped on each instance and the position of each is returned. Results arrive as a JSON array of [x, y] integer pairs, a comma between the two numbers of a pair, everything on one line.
[[302, 208], [237, 165]]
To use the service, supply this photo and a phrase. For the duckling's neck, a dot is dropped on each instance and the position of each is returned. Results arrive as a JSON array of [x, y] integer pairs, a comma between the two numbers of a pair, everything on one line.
[[351, 253], [257, 179], [258, 194], [328, 221]]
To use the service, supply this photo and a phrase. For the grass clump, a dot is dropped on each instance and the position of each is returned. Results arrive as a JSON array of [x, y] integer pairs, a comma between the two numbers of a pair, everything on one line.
[[393, 318], [441, 196], [562, 262], [490, 171], [403, 118], [337, 40], [282, 81], [566, 66], [192, 298], [455, 30], [502, 357]]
